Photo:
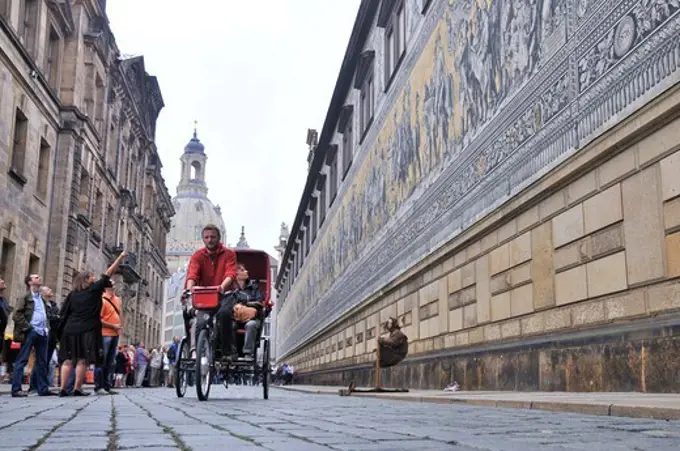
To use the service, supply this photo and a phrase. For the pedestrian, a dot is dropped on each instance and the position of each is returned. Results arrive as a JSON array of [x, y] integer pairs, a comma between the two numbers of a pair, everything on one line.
[[142, 358], [31, 329], [53, 320], [172, 359], [81, 327], [5, 310], [156, 367], [111, 327], [166, 367], [121, 366]]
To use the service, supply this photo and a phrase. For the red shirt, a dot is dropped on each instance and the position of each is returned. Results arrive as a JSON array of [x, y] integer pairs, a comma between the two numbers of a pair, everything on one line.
[[210, 268]]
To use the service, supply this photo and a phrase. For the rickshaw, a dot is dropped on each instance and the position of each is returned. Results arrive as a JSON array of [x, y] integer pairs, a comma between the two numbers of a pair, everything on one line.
[[195, 363]]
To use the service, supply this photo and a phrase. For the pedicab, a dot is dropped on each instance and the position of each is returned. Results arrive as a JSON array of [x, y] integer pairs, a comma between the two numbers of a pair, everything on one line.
[[196, 364]]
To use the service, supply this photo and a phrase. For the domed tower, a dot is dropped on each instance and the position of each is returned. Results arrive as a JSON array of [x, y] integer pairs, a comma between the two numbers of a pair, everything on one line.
[[193, 208], [193, 212]]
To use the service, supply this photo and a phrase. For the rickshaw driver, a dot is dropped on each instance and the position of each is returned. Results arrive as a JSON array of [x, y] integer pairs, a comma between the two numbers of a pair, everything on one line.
[[211, 266]]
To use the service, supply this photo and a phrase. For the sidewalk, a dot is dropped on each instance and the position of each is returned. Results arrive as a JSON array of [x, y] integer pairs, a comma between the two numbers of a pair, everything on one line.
[[659, 406]]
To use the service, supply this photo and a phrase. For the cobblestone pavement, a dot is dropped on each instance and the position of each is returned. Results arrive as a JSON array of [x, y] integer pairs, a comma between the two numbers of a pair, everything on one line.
[[239, 419]]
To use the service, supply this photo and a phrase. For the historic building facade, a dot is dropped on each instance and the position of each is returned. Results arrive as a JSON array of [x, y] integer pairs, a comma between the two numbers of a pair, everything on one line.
[[503, 177], [79, 170]]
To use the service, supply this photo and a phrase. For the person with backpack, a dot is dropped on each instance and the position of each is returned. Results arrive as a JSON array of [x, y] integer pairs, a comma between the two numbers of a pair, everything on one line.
[[111, 327], [172, 358]]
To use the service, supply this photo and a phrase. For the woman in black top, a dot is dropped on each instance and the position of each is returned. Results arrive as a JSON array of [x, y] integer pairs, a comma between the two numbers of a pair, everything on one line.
[[81, 327]]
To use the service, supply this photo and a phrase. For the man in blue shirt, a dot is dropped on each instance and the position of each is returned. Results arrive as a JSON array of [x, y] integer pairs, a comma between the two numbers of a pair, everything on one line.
[[31, 329]]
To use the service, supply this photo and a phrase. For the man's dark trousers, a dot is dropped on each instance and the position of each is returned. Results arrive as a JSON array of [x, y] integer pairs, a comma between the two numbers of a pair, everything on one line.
[[40, 343]]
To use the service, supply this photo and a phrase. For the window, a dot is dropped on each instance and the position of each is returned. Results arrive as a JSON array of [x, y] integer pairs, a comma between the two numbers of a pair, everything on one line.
[[347, 147], [52, 58], [109, 226], [395, 42], [43, 169], [28, 24], [322, 199], [33, 264], [367, 103], [100, 92], [97, 222], [314, 219], [333, 180], [19, 143], [426, 4], [7, 264], [84, 194], [4, 9]]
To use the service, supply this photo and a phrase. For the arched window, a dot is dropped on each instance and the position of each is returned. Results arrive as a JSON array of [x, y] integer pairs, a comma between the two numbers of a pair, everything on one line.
[[196, 171]]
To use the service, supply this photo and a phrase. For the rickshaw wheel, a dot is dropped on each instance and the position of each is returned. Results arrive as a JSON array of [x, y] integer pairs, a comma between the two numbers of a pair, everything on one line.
[[204, 365], [181, 374], [265, 370]]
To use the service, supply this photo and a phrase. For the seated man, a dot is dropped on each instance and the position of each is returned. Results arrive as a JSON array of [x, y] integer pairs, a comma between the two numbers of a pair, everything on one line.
[[212, 266], [394, 348], [248, 310]]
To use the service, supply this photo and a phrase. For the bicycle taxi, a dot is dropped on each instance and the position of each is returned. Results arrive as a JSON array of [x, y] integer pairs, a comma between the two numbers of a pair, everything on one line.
[[195, 363]]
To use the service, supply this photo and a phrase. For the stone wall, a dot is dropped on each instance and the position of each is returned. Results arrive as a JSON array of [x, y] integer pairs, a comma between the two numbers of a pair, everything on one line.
[[572, 286], [550, 208]]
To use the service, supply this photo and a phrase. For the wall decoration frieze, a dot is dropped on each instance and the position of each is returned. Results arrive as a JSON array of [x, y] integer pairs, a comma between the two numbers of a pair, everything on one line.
[[514, 117]]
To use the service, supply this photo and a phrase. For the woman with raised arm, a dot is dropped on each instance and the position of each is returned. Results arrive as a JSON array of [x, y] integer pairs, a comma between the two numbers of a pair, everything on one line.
[[81, 328]]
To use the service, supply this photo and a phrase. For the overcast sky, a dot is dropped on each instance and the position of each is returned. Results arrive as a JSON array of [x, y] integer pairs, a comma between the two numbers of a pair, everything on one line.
[[255, 75]]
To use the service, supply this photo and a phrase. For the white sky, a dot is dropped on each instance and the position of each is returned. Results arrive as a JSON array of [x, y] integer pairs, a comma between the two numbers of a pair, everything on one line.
[[255, 75]]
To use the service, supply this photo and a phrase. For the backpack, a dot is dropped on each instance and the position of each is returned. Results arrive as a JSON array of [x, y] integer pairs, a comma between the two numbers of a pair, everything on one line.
[[171, 353]]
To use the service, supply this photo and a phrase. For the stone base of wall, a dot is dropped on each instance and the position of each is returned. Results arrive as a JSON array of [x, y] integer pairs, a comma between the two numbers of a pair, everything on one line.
[[641, 356]]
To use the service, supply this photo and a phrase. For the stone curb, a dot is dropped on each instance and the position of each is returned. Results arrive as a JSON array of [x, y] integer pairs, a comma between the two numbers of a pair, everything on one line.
[[613, 410]]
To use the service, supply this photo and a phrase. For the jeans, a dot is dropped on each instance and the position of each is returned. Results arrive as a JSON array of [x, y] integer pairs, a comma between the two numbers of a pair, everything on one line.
[[40, 343], [33, 381], [102, 374], [251, 333]]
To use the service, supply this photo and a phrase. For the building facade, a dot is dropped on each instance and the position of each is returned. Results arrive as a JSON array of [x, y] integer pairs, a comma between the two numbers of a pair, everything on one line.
[[79, 169], [194, 211], [503, 177]]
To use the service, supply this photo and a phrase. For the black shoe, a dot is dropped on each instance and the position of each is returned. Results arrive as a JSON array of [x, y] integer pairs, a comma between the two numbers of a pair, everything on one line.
[[19, 394], [111, 392], [47, 393], [80, 393], [63, 393]]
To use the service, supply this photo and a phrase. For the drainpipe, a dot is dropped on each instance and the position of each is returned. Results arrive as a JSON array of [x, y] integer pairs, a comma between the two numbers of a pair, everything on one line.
[[49, 218]]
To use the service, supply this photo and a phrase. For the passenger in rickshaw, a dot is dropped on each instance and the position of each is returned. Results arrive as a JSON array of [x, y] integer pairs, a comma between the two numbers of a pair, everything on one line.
[[247, 310], [215, 265]]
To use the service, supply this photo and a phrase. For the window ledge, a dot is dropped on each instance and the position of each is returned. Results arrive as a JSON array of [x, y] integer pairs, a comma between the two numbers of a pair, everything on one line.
[[17, 176], [84, 220], [41, 199], [365, 131], [394, 72]]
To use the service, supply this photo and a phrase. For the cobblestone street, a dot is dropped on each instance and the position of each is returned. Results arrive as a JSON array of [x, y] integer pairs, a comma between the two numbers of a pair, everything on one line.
[[239, 419]]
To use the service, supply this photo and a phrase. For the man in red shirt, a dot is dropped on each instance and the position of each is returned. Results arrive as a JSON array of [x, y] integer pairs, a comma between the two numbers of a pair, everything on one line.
[[211, 266]]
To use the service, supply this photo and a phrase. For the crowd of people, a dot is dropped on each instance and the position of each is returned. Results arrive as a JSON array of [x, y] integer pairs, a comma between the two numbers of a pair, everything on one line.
[[67, 345]]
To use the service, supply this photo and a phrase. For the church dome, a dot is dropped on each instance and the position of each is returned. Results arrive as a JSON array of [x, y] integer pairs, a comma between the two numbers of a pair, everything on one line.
[[193, 212], [194, 145]]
